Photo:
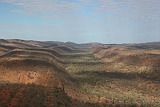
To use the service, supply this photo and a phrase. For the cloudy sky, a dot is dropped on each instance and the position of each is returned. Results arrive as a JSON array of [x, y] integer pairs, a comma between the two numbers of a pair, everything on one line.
[[81, 21]]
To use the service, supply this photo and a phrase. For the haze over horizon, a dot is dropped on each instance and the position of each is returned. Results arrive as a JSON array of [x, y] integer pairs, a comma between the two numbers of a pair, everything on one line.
[[81, 21]]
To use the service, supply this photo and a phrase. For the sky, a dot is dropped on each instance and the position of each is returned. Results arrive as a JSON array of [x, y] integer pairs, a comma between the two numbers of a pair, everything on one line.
[[81, 21]]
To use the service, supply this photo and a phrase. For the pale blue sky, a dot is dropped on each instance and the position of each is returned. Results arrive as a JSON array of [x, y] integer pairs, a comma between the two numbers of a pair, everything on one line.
[[81, 21]]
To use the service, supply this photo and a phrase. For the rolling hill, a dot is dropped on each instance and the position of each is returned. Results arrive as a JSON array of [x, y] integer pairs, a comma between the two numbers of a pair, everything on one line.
[[57, 74]]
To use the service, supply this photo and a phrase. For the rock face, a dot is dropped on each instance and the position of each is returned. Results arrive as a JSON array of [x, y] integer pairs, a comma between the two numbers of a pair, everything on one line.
[[44, 78], [24, 77]]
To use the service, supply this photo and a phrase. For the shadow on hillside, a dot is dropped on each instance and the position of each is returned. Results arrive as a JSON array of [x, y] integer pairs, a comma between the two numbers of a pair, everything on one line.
[[92, 77], [57, 53], [24, 45], [29, 64], [54, 52], [140, 47], [12, 54], [85, 62], [29, 52], [8, 47]]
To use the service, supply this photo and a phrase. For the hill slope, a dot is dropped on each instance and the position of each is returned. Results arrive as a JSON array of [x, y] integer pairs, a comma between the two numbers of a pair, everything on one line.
[[79, 75]]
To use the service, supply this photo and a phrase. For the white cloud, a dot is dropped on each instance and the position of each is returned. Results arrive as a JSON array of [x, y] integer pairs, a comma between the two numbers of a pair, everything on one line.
[[134, 9], [27, 12], [140, 9], [46, 6]]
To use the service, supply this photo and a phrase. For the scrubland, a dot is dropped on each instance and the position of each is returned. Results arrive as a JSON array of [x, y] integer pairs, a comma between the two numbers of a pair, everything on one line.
[[57, 74]]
